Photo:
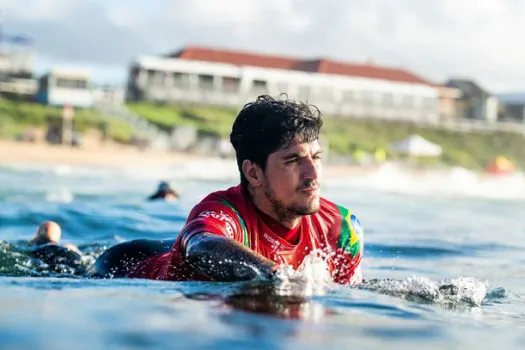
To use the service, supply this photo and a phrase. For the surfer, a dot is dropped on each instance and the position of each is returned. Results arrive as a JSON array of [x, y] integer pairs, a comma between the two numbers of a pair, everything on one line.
[[274, 216], [164, 192], [49, 232], [45, 246]]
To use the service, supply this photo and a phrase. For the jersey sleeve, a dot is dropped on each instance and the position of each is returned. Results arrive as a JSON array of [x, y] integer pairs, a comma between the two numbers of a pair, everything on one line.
[[213, 217], [350, 244]]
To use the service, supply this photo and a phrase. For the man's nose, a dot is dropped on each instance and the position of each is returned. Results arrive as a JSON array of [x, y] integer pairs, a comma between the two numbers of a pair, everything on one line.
[[311, 168]]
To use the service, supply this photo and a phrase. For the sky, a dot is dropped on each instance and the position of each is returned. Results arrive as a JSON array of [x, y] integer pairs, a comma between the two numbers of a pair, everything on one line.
[[436, 39]]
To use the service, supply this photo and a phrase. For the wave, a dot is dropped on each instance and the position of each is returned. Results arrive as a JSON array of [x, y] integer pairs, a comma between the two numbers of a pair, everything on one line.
[[389, 177], [455, 181]]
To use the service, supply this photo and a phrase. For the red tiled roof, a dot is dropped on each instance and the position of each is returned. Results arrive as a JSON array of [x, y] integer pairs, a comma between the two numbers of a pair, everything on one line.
[[315, 66], [234, 57], [370, 71]]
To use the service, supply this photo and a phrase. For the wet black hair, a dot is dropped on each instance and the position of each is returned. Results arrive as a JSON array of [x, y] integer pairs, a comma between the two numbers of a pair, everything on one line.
[[269, 124]]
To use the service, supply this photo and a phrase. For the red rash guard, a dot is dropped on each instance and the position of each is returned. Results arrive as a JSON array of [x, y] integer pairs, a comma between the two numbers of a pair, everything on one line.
[[231, 214]]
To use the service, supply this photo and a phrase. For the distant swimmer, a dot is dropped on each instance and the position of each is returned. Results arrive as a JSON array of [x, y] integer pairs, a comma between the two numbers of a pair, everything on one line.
[[45, 246], [275, 216], [165, 192]]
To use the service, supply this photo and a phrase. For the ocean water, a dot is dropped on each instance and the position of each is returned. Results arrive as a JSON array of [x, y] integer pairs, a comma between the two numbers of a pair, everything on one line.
[[443, 263]]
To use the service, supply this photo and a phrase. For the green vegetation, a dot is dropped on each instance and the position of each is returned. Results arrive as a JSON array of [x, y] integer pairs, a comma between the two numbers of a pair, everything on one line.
[[16, 116], [213, 121], [471, 150]]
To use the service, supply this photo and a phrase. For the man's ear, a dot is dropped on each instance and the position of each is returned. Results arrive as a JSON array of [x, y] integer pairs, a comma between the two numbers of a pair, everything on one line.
[[252, 172]]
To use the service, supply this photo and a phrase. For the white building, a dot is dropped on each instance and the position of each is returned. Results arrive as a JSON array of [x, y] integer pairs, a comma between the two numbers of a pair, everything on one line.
[[475, 102], [16, 67], [62, 87], [228, 78]]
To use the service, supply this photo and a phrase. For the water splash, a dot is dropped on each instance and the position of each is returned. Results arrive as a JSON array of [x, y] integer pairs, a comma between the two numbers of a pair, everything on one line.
[[13, 263], [15, 260], [312, 277], [456, 292]]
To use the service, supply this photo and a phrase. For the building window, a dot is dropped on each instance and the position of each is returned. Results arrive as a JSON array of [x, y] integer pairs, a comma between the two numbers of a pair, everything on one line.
[[71, 83], [407, 101], [260, 87], [388, 99], [368, 97], [181, 80], [151, 76], [155, 78], [282, 88], [352, 96], [206, 82], [303, 93], [231, 84], [325, 94], [429, 103], [348, 96]]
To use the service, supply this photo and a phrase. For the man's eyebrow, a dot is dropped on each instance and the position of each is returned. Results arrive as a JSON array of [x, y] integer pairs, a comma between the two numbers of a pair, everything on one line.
[[293, 155]]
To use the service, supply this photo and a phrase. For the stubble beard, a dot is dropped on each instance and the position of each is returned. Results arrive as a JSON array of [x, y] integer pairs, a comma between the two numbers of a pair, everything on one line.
[[290, 212]]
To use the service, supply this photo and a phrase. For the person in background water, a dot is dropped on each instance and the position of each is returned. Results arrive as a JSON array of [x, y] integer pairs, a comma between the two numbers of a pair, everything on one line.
[[45, 245], [165, 192], [275, 216], [49, 232]]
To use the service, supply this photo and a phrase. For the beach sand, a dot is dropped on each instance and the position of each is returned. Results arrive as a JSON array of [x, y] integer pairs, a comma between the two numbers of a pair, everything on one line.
[[106, 155], [109, 155]]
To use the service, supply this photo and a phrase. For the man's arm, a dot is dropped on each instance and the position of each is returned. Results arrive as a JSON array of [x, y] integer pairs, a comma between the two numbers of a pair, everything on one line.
[[226, 260]]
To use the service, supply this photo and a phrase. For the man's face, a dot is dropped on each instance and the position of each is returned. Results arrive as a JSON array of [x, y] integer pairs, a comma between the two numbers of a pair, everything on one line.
[[291, 179]]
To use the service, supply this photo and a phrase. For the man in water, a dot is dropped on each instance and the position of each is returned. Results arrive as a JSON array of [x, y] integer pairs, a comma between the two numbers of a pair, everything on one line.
[[45, 246], [274, 216], [164, 192], [49, 232]]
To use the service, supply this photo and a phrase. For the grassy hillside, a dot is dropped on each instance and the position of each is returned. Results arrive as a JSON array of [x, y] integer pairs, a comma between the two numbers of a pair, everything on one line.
[[208, 120], [471, 150], [16, 116]]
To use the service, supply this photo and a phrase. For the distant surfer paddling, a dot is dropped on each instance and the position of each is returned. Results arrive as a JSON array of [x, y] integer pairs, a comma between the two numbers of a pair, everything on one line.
[[164, 192]]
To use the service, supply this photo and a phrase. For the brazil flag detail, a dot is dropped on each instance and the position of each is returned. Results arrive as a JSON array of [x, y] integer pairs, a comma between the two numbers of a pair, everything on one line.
[[351, 232]]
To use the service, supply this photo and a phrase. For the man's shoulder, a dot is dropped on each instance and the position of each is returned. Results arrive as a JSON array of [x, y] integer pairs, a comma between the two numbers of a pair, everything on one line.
[[222, 202], [350, 233], [230, 194], [331, 210], [220, 213], [327, 205]]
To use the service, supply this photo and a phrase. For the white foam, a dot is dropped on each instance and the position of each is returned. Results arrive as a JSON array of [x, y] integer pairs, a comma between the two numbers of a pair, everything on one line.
[[61, 195], [455, 181], [213, 169], [390, 177], [311, 278], [452, 293]]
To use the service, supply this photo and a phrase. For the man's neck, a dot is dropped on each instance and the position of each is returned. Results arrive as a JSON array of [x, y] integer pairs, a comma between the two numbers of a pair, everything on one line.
[[263, 204]]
